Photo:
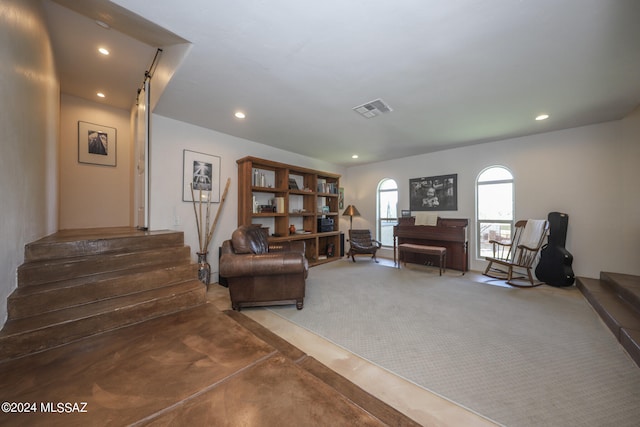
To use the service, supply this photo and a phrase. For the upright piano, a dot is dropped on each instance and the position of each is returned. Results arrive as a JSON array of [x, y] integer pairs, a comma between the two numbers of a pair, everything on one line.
[[450, 233]]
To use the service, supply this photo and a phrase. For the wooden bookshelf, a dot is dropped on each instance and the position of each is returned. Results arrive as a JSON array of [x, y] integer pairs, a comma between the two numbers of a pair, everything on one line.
[[277, 195]]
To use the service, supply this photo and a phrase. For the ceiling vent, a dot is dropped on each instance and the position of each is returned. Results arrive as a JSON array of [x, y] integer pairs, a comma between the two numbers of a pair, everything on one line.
[[372, 108]]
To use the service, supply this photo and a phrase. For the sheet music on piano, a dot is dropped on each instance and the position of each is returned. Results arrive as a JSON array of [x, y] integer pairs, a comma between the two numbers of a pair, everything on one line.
[[426, 218]]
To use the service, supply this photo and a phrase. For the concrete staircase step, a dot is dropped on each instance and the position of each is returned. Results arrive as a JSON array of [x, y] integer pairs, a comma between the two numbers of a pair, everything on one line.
[[609, 297], [630, 340], [627, 285], [76, 284], [33, 334], [40, 272], [37, 299], [94, 241]]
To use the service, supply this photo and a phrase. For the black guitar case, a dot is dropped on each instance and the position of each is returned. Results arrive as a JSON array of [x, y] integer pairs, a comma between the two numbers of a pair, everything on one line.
[[554, 267]]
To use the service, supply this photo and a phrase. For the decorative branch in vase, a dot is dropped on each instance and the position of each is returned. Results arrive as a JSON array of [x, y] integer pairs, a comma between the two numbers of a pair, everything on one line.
[[205, 228]]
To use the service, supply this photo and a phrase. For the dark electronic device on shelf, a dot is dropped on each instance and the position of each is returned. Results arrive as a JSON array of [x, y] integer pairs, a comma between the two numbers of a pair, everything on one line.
[[325, 225]]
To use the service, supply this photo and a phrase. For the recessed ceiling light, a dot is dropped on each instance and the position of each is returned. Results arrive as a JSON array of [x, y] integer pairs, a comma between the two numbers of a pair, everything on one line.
[[103, 51], [240, 115], [355, 156], [103, 24], [542, 117], [100, 95]]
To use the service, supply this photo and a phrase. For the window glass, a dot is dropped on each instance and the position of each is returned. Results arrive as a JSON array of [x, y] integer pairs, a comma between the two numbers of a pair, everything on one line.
[[495, 201], [387, 212], [388, 204], [388, 184], [494, 208], [495, 174]]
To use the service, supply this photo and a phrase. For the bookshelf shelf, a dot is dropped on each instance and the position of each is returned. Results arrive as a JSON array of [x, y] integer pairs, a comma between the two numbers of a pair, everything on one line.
[[297, 196]]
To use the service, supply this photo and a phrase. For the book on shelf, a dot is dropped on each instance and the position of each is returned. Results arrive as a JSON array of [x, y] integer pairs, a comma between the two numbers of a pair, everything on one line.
[[327, 187], [279, 202]]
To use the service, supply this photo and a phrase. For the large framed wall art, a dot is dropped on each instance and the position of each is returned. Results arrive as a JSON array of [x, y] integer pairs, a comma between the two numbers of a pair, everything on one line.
[[96, 144], [434, 193], [202, 171]]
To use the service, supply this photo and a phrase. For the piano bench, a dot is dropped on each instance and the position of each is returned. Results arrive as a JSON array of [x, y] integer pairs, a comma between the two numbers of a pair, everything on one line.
[[423, 249]]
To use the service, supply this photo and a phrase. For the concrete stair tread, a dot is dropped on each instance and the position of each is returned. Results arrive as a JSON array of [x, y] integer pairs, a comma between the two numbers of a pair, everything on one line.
[[630, 340], [92, 280], [70, 243], [31, 300], [78, 313], [624, 280], [618, 308], [78, 234], [633, 335], [635, 294], [623, 314], [46, 271], [626, 285], [56, 335], [76, 284], [92, 257]]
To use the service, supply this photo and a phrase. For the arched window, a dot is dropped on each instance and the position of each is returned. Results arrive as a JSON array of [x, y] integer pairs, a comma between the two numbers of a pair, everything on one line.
[[494, 207], [387, 212]]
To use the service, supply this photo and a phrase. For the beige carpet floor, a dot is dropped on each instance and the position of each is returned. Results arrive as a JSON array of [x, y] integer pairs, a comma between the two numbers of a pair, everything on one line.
[[522, 357]]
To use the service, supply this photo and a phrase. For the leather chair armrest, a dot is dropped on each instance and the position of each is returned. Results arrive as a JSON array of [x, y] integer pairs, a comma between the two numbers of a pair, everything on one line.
[[232, 265]]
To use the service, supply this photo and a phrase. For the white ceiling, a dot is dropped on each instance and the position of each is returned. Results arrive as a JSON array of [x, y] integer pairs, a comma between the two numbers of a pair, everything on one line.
[[455, 73]]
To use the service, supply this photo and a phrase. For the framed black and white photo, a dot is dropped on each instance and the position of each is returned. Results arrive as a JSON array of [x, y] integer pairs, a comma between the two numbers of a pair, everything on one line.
[[434, 193], [202, 171], [97, 144]]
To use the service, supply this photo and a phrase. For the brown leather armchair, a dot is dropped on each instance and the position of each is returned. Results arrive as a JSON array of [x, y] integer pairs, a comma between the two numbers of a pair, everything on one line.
[[361, 243], [259, 273]]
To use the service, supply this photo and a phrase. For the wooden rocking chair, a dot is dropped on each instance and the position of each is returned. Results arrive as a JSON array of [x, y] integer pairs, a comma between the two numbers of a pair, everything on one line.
[[517, 257]]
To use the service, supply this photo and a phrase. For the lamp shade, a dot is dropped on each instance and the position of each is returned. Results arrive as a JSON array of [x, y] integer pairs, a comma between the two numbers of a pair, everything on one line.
[[351, 211]]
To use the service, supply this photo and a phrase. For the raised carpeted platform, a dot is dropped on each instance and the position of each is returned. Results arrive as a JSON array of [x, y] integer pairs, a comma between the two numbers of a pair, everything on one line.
[[521, 357]]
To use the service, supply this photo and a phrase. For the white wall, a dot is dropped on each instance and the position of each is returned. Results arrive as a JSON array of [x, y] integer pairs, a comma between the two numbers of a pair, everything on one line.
[[167, 210], [591, 173], [94, 195], [29, 98], [629, 174]]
